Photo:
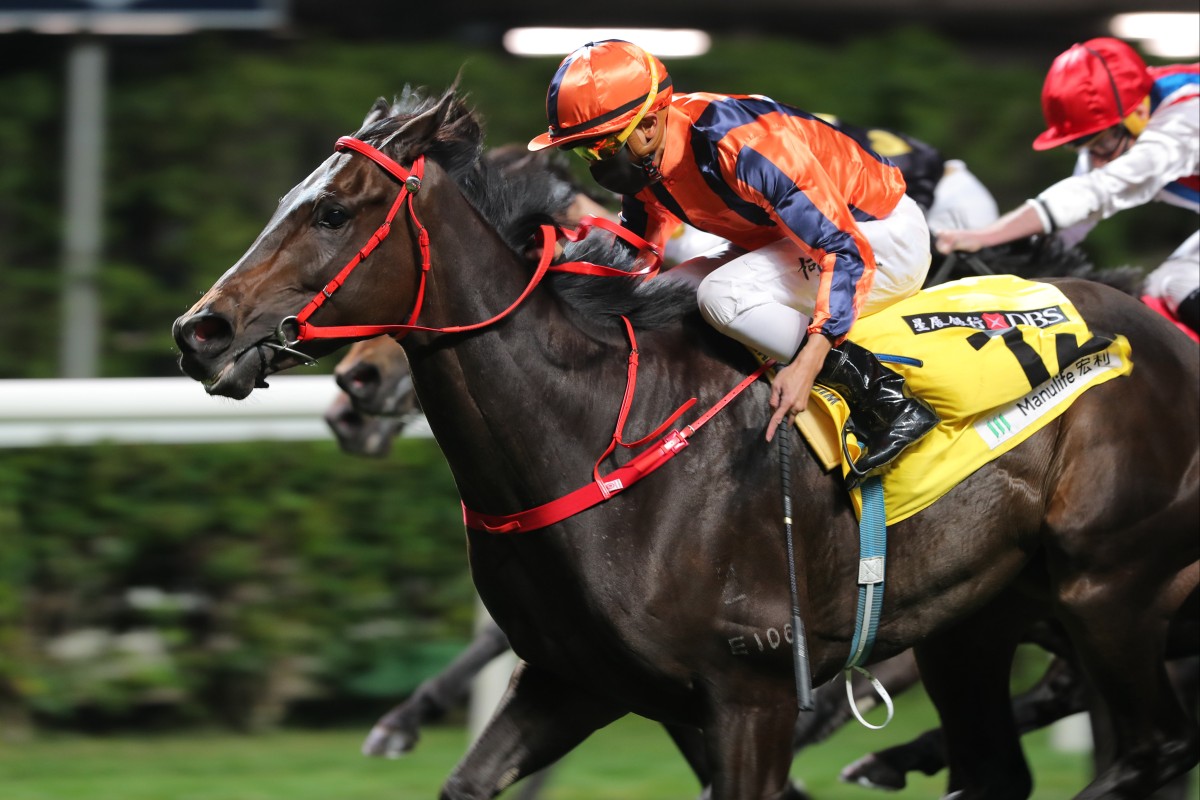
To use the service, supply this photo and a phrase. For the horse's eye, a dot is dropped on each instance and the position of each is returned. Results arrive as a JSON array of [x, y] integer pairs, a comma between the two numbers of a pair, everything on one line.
[[333, 217]]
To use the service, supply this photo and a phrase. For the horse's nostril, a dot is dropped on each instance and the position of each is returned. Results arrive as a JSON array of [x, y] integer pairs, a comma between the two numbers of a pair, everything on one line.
[[204, 331], [207, 328], [359, 380]]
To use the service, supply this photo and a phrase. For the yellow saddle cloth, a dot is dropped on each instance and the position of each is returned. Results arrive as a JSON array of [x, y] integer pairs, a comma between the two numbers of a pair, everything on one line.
[[998, 357]]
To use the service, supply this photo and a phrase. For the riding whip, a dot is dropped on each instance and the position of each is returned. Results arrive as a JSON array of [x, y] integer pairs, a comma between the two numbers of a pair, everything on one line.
[[804, 691]]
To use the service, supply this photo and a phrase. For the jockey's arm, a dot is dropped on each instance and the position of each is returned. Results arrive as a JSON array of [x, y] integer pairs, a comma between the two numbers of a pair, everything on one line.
[[1020, 223]]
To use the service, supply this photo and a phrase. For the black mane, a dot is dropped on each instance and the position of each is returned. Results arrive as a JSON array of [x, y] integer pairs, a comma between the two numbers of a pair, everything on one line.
[[517, 196]]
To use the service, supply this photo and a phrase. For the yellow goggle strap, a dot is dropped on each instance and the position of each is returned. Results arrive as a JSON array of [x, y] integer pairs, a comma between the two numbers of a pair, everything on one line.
[[1136, 123], [633, 123]]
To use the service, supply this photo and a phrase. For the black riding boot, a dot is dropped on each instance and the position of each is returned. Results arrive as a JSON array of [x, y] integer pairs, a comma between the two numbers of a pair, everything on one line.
[[1189, 311], [883, 416]]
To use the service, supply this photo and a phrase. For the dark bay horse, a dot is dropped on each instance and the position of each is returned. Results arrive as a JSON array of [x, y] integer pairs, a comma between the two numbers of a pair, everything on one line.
[[670, 600]]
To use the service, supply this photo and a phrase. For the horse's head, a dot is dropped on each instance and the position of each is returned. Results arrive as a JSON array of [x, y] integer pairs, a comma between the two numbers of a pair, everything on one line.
[[374, 374], [244, 328], [361, 434]]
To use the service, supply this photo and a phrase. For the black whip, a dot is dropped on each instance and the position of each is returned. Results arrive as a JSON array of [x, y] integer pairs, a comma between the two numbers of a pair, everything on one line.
[[804, 691]]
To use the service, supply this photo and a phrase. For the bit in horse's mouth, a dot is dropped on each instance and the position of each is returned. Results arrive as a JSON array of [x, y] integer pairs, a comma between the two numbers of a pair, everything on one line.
[[241, 375]]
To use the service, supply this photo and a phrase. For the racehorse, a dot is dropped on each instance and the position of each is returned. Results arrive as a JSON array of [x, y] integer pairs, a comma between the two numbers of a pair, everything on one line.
[[669, 600]]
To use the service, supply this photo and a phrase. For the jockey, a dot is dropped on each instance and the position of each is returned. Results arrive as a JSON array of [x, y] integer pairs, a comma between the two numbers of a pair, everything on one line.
[[820, 228], [1137, 130]]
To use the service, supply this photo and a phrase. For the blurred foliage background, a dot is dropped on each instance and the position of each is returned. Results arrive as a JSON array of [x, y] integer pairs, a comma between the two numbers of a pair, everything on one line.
[[205, 135], [224, 583], [241, 584]]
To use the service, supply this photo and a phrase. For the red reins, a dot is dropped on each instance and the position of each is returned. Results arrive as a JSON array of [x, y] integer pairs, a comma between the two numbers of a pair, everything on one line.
[[410, 184]]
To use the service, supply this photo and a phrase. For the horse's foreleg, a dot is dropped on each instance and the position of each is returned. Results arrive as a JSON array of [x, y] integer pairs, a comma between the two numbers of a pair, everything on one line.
[[966, 672], [749, 749], [690, 742], [397, 731], [1058, 694], [1148, 738], [539, 720]]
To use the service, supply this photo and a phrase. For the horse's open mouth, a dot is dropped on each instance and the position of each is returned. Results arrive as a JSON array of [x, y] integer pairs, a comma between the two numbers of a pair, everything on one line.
[[245, 372], [238, 377]]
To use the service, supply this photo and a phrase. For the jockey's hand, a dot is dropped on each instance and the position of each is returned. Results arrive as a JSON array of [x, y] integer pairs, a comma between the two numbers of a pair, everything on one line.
[[789, 390], [965, 240]]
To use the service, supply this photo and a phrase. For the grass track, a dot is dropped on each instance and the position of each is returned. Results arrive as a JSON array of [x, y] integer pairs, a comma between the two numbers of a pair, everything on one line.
[[630, 760]]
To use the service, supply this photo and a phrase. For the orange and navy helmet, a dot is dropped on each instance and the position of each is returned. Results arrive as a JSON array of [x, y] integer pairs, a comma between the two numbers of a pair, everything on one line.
[[1091, 87], [602, 88]]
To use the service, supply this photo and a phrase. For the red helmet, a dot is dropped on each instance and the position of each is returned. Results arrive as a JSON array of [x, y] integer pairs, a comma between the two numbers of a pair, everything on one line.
[[603, 87], [1090, 87]]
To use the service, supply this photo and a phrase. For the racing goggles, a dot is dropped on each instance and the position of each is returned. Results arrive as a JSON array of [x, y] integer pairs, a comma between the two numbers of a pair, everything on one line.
[[604, 147], [1105, 145]]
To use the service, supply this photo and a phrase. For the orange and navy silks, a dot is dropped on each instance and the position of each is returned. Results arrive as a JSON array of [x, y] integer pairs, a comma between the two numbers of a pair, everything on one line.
[[754, 171], [1175, 84], [922, 164]]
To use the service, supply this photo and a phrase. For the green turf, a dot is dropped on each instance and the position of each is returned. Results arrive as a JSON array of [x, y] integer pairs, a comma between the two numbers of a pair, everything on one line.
[[630, 760]]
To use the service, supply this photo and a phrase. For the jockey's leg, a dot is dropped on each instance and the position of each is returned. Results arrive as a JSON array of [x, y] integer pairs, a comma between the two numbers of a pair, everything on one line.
[[765, 300], [1177, 282]]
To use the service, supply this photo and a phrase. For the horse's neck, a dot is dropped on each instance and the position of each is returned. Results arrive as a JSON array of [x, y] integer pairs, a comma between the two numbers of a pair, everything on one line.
[[508, 404]]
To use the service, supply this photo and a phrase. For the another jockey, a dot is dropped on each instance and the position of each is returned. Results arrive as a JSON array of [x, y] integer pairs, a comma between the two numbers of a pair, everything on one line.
[[1137, 130], [821, 228]]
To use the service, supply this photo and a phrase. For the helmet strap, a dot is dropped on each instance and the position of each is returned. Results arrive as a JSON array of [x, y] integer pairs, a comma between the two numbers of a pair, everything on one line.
[[1135, 121]]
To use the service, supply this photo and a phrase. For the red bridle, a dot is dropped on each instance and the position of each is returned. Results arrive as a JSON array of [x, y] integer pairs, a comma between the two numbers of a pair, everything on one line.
[[602, 487], [410, 181]]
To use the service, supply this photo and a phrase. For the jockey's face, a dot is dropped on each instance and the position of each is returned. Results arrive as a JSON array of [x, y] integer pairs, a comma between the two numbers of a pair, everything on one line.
[[1108, 145]]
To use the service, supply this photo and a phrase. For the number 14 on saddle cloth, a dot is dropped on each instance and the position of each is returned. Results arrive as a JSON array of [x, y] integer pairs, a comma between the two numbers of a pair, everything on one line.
[[998, 357]]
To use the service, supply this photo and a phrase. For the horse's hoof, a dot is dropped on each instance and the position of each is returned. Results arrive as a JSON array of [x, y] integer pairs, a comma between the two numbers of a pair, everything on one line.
[[384, 742], [873, 773]]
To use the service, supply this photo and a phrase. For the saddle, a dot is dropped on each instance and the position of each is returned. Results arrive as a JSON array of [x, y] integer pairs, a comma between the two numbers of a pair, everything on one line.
[[998, 357]]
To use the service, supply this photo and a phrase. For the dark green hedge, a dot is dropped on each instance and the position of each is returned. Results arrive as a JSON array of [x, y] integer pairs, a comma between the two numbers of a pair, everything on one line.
[[226, 581]]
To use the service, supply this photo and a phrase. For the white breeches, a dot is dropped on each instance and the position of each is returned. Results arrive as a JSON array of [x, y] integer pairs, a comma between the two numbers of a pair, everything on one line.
[[765, 298], [1178, 276]]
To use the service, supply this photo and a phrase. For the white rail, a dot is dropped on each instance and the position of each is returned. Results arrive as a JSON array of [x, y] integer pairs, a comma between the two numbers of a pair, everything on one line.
[[36, 413]]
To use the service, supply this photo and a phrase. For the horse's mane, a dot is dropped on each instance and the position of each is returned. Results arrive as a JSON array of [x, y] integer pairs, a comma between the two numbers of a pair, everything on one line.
[[1051, 257], [517, 195]]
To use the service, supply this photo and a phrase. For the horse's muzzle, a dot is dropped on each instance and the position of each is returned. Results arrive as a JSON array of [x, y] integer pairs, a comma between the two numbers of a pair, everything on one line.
[[205, 334]]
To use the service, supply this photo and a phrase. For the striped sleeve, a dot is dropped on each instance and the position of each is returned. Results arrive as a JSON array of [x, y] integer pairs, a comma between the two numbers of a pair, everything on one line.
[[816, 219]]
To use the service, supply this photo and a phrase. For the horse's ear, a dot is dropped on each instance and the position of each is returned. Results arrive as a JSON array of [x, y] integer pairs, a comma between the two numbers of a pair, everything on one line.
[[422, 129], [378, 111]]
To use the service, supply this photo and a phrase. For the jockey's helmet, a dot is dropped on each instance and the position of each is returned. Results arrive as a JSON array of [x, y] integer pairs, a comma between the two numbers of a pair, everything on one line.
[[599, 95], [1091, 87]]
